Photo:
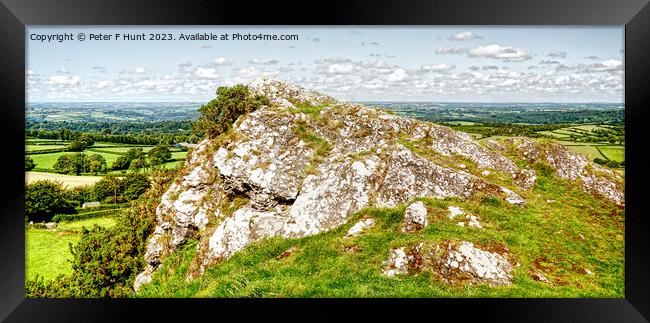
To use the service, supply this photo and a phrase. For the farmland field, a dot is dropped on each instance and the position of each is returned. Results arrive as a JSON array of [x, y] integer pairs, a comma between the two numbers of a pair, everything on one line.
[[67, 180], [46, 161], [47, 252], [110, 152], [588, 150], [616, 153]]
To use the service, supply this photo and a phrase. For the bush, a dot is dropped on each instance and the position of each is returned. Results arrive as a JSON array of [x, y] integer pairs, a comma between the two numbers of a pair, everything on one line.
[[135, 185], [29, 163], [45, 198], [79, 195], [108, 187], [86, 215], [600, 161], [218, 115]]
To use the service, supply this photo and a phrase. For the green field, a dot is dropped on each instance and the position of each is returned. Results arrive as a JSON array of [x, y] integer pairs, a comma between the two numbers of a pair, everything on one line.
[[616, 153], [47, 252], [587, 150], [35, 147], [110, 152], [120, 150], [46, 161]]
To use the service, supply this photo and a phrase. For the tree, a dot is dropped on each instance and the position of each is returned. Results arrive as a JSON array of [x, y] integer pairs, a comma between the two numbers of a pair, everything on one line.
[[109, 187], [29, 163], [64, 165], [124, 161], [135, 185], [159, 155], [96, 163], [218, 115], [44, 199], [81, 142]]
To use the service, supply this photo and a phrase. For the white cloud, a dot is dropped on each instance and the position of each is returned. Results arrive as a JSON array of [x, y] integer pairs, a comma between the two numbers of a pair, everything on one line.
[[139, 70], [549, 62], [505, 53], [450, 50], [206, 73], [398, 75], [468, 35], [557, 54], [64, 80], [258, 61], [223, 61], [438, 67]]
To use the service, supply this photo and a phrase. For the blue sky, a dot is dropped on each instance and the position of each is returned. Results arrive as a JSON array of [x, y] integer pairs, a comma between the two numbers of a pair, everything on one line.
[[445, 64]]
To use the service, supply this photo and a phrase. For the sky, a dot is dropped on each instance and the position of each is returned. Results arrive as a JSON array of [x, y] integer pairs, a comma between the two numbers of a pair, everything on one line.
[[436, 64]]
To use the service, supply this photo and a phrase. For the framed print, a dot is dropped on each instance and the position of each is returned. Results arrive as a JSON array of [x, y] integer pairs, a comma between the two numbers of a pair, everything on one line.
[[376, 159]]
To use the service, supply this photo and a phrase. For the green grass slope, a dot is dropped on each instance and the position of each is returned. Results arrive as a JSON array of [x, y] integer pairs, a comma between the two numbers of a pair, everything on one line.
[[561, 232]]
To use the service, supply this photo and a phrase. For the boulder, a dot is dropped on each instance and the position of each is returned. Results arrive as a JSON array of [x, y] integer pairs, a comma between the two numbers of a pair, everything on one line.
[[359, 227], [456, 262], [415, 217]]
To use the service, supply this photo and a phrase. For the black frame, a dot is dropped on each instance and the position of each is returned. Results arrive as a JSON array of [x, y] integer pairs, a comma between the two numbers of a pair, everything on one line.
[[634, 14]]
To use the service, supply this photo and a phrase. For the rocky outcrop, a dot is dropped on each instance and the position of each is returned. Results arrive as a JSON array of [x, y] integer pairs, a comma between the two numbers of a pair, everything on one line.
[[572, 166], [306, 163], [415, 217], [463, 262], [455, 262]]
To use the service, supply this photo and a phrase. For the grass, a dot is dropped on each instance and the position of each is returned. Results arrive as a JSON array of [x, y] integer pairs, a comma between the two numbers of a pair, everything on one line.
[[311, 110], [47, 252], [616, 153], [547, 236], [106, 222], [46, 161], [38, 147], [587, 150]]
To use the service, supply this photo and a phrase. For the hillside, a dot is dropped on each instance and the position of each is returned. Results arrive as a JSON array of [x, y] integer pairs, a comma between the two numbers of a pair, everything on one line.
[[308, 196]]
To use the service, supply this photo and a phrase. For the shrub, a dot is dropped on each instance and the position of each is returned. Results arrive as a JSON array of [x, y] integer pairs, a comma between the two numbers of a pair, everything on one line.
[[79, 195], [135, 185], [45, 198], [600, 161], [218, 115], [29, 163]]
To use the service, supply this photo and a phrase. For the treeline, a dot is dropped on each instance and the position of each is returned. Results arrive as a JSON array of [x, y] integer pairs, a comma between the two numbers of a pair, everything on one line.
[[133, 139], [505, 129], [117, 127], [531, 117]]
